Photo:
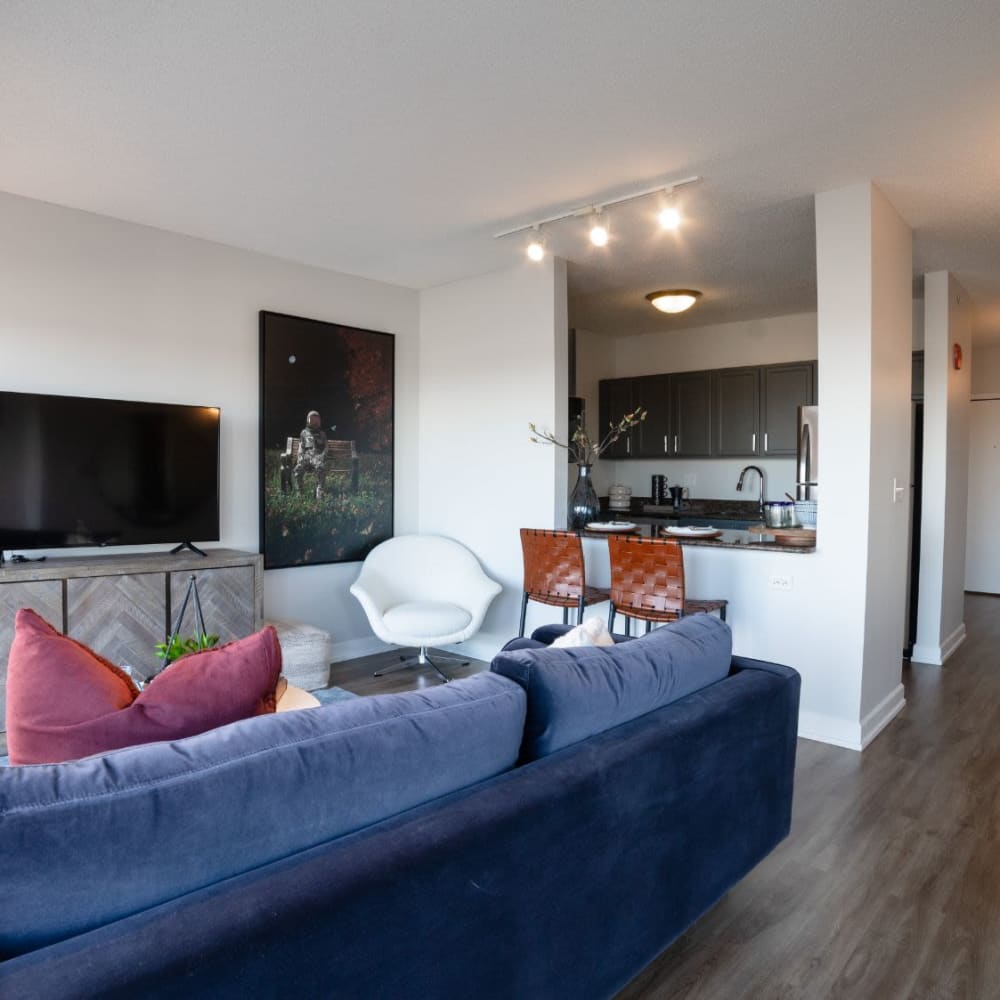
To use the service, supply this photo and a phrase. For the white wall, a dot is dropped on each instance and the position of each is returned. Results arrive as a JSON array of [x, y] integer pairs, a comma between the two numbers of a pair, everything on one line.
[[985, 362], [941, 609], [891, 351], [982, 552], [852, 627], [595, 359], [97, 307], [755, 342], [493, 357]]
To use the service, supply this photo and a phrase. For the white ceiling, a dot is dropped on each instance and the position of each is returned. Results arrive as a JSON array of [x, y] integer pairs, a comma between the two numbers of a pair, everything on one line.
[[392, 140]]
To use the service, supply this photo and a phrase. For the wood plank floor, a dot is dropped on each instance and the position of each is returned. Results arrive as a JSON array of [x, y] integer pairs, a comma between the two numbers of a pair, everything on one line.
[[889, 885]]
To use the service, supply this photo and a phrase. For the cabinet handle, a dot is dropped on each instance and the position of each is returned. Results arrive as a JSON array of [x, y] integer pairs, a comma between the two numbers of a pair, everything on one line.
[[765, 442], [666, 447], [675, 444], [753, 441], [628, 446]]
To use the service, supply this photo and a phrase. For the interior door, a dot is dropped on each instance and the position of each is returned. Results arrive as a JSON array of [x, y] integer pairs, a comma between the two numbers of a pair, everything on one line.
[[982, 546]]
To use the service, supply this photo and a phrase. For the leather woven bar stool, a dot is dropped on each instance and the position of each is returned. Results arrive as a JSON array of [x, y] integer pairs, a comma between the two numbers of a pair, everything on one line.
[[647, 582], [554, 573]]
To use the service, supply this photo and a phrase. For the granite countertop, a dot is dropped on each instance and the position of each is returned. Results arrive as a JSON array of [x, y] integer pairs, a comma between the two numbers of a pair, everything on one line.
[[651, 519], [729, 539], [745, 540]]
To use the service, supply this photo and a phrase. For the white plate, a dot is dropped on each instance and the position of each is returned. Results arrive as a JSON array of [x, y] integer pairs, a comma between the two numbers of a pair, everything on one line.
[[693, 530], [610, 526]]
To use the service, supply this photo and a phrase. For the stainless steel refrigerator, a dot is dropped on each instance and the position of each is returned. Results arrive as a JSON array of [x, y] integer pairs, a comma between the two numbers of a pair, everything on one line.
[[807, 467]]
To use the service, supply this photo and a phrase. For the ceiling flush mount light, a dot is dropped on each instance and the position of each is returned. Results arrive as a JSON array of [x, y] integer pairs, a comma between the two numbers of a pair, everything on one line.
[[673, 300], [599, 230], [669, 218]]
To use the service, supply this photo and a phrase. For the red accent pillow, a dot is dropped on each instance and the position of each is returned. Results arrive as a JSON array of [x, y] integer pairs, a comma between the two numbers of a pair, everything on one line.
[[64, 701]]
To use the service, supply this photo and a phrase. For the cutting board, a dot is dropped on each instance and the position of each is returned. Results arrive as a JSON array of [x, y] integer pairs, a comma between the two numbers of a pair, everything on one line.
[[785, 536]]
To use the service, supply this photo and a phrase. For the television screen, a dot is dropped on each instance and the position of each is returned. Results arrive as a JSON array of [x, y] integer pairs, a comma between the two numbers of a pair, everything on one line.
[[106, 472]]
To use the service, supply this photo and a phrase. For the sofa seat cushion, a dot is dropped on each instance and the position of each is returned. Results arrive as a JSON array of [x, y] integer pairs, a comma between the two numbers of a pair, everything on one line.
[[64, 701], [99, 839], [426, 618], [574, 693]]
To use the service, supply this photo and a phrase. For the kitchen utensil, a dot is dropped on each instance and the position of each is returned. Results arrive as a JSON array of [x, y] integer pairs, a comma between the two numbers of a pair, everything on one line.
[[693, 532], [658, 489], [805, 537], [780, 514], [805, 511]]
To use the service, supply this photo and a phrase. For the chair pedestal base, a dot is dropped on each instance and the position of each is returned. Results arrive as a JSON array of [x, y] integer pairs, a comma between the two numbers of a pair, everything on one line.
[[422, 659]]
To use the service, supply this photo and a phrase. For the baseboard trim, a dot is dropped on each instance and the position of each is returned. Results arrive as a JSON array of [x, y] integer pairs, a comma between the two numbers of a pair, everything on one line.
[[351, 649], [828, 729], [937, 655], [882, 714], [953, 642], [852, 735]]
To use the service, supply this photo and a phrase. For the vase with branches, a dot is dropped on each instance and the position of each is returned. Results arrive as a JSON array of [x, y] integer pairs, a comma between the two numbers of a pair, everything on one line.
[[584, 450]]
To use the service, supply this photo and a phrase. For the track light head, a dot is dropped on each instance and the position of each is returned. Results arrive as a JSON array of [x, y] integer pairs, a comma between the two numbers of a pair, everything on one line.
[[536, 246], [669, 218], [599, 230]]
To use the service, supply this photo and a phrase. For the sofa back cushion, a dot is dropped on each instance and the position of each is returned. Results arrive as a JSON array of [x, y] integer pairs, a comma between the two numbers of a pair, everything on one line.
[[90, 841], [575, 693], [64, 701]]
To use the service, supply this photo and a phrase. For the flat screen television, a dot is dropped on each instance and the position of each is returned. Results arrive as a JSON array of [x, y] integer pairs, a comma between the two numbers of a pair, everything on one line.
[[77, 471]]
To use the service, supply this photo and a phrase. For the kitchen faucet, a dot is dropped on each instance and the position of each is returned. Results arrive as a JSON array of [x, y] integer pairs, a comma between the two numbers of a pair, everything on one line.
[[760, 473]]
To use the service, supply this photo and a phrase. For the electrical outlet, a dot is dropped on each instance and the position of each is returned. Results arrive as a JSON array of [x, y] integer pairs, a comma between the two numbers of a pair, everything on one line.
[[781, 582], [690, 479]]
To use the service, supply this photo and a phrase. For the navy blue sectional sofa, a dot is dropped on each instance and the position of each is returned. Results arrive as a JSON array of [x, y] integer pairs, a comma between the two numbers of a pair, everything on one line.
[[543, 830]]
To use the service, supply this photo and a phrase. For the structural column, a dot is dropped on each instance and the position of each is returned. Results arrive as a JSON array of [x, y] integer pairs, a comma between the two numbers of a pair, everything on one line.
[[947, 386], [864, 298]]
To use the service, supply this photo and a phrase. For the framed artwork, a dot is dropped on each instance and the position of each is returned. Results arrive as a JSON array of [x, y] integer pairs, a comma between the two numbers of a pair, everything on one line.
[[326, 440]]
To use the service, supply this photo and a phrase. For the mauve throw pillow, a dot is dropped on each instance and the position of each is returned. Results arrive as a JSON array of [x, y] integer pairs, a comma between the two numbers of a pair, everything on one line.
[[65, 702]]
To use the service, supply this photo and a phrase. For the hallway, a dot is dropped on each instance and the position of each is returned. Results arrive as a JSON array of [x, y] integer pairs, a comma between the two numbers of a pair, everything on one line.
[[889, 884]]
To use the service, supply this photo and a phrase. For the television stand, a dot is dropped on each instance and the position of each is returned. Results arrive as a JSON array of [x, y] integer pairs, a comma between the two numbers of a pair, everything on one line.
[[187, 545]]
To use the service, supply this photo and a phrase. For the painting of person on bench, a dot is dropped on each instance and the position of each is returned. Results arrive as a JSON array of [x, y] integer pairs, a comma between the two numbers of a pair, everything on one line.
[[312, 453], [326, 441]]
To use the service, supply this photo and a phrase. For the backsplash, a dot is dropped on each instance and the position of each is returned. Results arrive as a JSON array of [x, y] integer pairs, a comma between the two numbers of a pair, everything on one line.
[[712, 477]]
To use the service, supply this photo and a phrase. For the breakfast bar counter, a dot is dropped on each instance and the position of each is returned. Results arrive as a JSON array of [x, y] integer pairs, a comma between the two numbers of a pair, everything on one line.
[[726, 539]]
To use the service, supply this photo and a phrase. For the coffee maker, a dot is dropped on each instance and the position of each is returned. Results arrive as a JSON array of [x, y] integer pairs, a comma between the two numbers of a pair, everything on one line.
[[677, 494]]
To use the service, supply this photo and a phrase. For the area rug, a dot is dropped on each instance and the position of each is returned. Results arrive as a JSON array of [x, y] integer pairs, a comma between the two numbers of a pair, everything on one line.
[[326, 696]]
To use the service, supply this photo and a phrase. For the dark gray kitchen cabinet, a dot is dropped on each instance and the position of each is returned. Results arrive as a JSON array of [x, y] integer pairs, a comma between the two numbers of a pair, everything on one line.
[[736, 412], [616, 398], [784, 388], [654, 393], [691, 415]]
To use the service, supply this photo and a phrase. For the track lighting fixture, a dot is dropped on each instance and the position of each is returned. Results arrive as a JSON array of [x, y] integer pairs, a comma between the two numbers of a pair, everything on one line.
[[536, 247], [669, 218], [599, 230]]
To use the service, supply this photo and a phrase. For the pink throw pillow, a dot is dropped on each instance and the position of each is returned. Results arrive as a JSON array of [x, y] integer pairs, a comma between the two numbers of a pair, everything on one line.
[[64, 701]]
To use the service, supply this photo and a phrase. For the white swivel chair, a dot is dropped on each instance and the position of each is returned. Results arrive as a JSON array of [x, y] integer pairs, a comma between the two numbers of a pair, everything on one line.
[[423, 590]]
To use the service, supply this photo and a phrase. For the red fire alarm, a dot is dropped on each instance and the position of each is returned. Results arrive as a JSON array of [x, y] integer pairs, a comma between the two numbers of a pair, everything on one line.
[[956, 356]]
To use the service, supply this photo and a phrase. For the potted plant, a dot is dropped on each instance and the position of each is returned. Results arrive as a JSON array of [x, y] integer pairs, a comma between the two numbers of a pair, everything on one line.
[[584, 506]]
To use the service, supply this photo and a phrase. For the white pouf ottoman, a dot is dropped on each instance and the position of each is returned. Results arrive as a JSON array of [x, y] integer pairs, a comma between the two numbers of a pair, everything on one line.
[[305, 653]]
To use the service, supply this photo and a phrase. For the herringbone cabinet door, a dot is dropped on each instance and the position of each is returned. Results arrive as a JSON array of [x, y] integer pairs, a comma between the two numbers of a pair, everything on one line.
[[120, 617], [226, 594], [45, 597]]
